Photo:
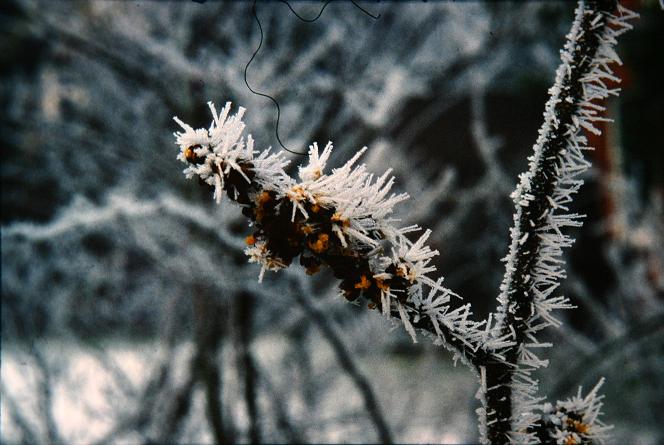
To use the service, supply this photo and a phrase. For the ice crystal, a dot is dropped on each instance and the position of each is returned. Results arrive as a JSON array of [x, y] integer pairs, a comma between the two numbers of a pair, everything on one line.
[[534, 265], [341, 218], [574, 421]]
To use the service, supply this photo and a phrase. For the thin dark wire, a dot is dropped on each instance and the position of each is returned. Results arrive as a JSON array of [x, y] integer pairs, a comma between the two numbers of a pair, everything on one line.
[[302, 18], [260, 44], [276, 130], [375, 17]]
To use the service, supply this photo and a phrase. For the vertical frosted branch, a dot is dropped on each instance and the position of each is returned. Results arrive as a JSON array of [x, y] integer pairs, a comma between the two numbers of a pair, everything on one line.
[[534, 266]]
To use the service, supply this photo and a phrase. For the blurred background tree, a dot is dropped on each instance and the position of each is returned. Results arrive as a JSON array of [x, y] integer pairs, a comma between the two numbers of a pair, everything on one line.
[[129, 312]]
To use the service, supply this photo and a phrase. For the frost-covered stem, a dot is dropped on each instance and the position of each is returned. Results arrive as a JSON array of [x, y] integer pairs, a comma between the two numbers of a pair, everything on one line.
[[519, 316]]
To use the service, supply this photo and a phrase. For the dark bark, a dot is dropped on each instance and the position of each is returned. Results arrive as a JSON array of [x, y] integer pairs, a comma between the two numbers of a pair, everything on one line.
[[520, 296]]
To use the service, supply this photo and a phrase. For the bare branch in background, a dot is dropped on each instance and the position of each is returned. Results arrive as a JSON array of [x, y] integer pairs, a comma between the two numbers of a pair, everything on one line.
[[244, 306], [348, 365]]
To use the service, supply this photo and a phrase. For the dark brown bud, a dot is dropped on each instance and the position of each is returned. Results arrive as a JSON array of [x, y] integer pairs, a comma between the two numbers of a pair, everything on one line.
[[190, 155]]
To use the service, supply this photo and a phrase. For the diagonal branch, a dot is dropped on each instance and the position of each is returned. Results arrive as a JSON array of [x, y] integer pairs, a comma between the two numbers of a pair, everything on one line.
[[348, 364]]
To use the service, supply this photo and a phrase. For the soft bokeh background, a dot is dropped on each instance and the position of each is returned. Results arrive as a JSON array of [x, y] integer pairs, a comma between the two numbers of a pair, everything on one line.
[[129, 313]]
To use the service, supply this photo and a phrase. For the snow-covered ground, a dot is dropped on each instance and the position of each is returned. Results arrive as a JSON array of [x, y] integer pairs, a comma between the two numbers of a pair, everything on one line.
[[92, 390]]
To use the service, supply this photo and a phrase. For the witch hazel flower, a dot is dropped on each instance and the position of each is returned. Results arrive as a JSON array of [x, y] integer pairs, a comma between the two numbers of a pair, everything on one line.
[[574, 421], [340, 219]]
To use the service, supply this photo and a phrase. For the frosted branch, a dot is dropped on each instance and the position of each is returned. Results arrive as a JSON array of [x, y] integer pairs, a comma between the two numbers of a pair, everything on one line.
[[534, 266]]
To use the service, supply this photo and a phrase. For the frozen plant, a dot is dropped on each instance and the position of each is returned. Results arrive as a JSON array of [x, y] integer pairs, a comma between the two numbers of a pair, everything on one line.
[[342, 219], [572, 421]]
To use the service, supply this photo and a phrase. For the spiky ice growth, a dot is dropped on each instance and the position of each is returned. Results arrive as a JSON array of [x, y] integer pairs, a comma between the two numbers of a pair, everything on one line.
[[573, 421], [339, 219], [534, 265]]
